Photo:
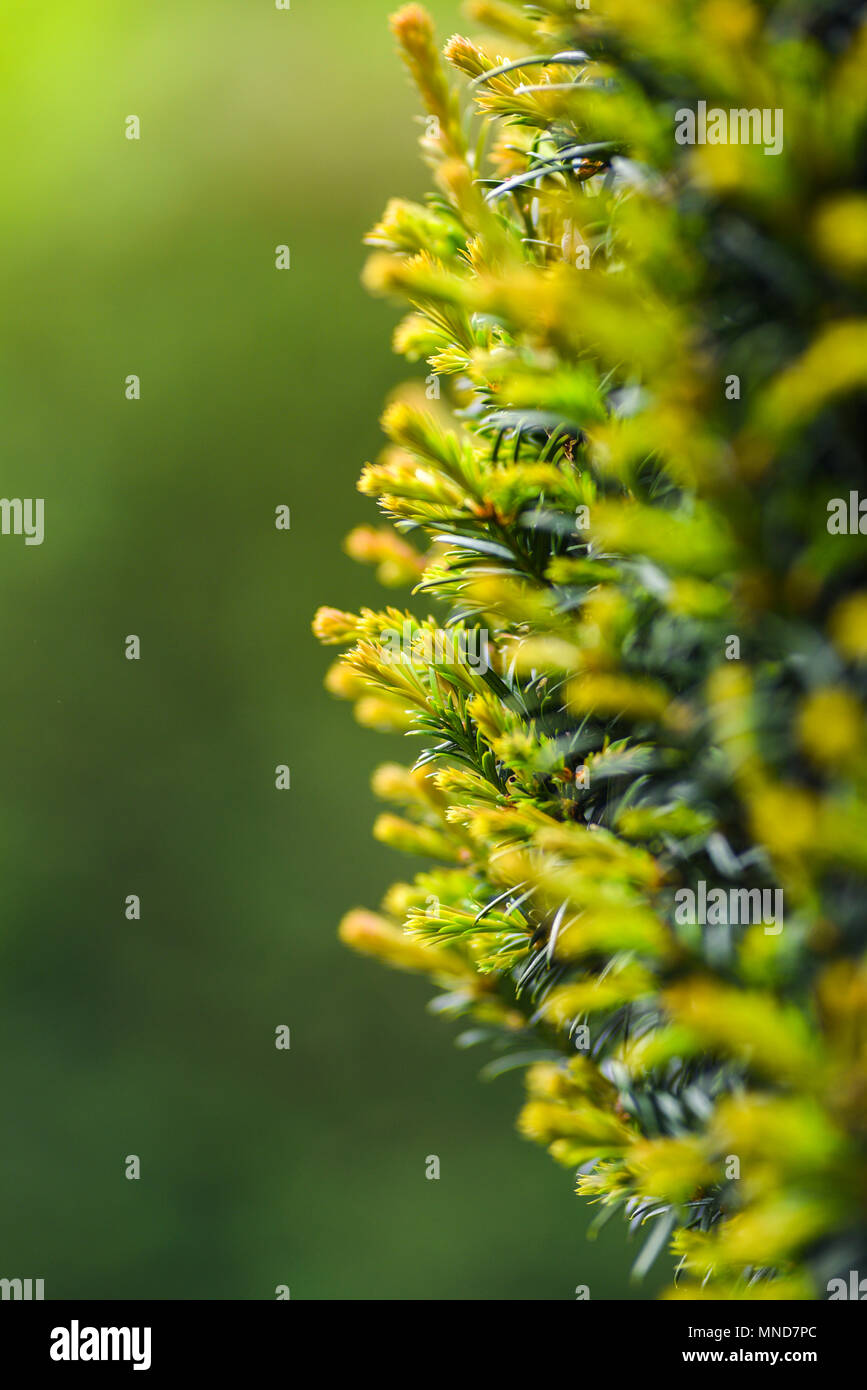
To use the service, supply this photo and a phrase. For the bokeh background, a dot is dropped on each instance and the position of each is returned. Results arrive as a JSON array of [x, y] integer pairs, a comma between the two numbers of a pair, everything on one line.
[[156, 1038]]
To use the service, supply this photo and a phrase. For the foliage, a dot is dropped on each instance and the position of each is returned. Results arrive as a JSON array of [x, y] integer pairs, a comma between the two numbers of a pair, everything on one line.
[[672, 689]]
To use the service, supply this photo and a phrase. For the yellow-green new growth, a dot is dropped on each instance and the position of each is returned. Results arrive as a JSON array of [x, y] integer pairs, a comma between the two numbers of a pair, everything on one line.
[[649, 359]]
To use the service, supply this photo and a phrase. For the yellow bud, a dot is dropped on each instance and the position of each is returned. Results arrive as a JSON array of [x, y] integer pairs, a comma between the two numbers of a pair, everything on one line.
[[830, 727], [413, 27], [398, 563], [464, 55], [784, 819], [346, 684], [488, 714], [380, 713], [372, 935], [672, 1170], [728, 21], [840, 232], [405, 785], [848, 626], [391, 782], [414, 839], [332, 626], [614, 694]]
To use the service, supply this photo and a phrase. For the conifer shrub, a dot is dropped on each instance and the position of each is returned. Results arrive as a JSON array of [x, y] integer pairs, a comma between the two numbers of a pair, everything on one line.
[[623, 492]]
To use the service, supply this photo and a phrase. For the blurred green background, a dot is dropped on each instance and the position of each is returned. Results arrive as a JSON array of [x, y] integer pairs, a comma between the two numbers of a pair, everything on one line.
[[156, 257]]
